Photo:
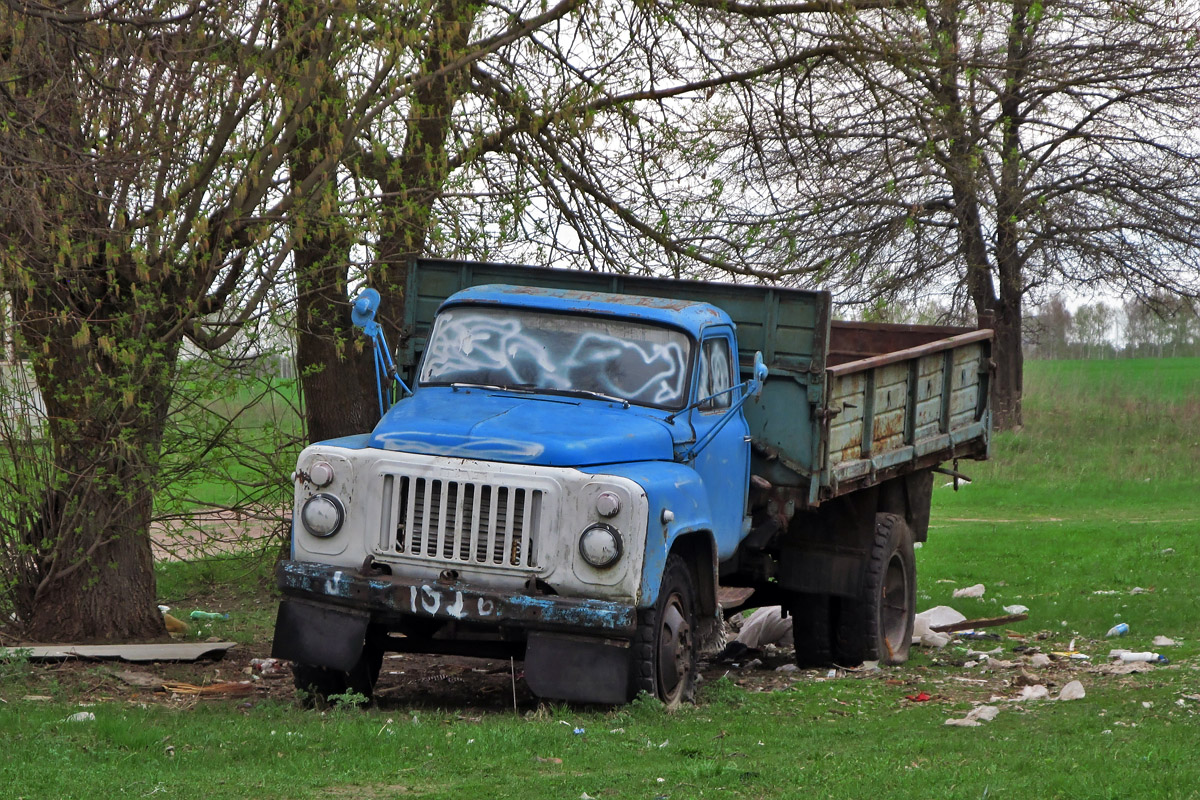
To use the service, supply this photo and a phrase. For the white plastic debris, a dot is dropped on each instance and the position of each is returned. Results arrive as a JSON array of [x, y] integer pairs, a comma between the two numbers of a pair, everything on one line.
[[934, 618], [1163, 641], [934, 640], [82, 716], [975, 717], [1072, 691], [766, 625], [970, 591], [985, 713], [1016, 609], [1035, 692]]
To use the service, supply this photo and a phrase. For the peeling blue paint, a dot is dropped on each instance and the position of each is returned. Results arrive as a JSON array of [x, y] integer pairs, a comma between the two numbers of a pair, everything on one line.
[[459, 601]]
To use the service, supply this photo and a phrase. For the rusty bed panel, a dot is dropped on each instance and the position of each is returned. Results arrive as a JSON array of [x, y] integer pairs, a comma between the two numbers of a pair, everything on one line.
[[908, 409]]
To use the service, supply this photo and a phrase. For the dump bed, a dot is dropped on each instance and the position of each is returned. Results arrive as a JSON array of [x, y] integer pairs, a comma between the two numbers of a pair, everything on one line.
[[846, 405]]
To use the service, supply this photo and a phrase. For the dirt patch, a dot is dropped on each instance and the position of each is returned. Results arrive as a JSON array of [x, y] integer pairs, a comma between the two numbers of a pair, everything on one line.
[[218, 532], [474, 687]]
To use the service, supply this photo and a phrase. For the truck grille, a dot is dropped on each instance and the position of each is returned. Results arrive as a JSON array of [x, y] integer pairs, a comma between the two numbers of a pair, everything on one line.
[[460, 522]]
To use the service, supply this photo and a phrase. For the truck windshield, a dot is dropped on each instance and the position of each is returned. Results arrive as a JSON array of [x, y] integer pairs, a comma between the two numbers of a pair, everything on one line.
[[559, 353]]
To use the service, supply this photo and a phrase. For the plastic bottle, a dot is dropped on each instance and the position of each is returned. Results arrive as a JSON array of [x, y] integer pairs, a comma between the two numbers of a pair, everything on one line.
[[207, 615], [1119, 629], [1146, 657]]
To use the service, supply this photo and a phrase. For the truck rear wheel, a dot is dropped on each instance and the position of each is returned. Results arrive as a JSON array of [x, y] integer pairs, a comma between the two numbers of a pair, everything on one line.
[[812, 629], [665, 649], [878, 624]]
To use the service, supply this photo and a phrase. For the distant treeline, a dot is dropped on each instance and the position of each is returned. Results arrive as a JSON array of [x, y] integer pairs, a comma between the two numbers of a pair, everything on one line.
[[1165, 326]]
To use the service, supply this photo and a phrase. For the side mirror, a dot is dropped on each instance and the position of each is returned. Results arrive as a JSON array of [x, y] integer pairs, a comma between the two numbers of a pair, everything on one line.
[[363, 312], [760, 375]]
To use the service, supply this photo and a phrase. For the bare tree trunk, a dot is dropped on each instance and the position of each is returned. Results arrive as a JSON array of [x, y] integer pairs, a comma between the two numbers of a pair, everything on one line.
[[92, 577]]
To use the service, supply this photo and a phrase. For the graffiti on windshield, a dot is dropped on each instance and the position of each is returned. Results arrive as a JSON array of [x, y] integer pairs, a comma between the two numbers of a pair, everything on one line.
[[644, 364]]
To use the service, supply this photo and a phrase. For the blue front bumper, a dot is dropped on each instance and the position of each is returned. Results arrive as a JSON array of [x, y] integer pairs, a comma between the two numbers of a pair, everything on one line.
[[388, 596]]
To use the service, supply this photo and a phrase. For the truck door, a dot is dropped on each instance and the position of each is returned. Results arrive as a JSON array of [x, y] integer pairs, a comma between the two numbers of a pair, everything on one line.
[[724, 465]]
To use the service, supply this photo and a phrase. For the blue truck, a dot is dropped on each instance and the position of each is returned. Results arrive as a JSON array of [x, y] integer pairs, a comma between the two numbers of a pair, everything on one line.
[[589, 469]]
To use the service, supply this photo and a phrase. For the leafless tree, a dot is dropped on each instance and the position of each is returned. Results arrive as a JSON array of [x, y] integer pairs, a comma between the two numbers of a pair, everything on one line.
[[984, 150]]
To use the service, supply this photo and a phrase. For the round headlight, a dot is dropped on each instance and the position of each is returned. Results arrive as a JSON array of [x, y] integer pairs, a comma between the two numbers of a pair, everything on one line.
[[322, 514], [600, 546]]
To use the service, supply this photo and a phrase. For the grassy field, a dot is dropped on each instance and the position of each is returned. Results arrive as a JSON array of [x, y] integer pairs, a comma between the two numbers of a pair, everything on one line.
[[1098, 496]]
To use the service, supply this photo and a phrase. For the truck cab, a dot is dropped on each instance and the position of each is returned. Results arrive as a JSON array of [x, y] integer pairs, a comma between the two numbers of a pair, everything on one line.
[[560, 486]]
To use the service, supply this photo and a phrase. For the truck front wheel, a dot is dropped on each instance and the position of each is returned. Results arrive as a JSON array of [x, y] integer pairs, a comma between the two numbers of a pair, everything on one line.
[[318, 684], [665, 649], [878, 624]]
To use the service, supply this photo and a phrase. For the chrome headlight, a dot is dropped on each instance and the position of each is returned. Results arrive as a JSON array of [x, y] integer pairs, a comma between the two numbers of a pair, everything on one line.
[[323, 514], [600, 546]]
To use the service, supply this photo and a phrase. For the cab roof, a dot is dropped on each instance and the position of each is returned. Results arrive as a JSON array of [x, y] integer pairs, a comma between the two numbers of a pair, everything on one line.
[[690, 315]]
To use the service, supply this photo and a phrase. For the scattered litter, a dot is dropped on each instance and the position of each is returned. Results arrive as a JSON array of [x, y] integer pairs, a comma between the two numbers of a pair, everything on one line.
[[974, 717], [1016, 609], [766, 625], [964, 723], [1163, 641], [922, 697], [175, 626], [937, 616], [1072, 691], [82, 716], [970, 591], [1120, 629], [935, 640], [269, 667], [1035, 692], [1039, 660]]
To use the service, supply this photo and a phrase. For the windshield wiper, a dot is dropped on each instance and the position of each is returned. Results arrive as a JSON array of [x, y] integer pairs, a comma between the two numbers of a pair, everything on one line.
[[590, 393], [525, 388]]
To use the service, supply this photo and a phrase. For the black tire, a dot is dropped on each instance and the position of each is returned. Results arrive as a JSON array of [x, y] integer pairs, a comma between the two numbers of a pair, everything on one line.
[[878, 624], [664, 652], [812, 629], [317, 684]]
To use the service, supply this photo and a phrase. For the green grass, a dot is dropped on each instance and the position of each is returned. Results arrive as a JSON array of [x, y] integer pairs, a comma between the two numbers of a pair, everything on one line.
[[1092, 496]]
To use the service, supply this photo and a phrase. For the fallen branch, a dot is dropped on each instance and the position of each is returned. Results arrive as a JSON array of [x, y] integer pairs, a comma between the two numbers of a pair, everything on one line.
[[989, 622]]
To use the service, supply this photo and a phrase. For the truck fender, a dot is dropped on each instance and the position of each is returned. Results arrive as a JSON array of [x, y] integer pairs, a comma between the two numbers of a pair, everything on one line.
[[677, 507]]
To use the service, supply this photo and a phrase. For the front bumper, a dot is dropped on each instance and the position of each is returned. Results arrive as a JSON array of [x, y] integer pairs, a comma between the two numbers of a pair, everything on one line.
[[387, 596]]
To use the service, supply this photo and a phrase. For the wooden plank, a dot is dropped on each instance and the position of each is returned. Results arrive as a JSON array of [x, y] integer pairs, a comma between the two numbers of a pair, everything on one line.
[[170, 651]]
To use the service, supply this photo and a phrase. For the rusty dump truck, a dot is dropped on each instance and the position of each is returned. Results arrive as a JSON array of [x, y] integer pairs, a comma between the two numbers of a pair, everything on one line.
[[590, 468]]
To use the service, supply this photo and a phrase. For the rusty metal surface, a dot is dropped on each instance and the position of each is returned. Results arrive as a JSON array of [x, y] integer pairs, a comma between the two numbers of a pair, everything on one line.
[[451, 600], [913, 352]]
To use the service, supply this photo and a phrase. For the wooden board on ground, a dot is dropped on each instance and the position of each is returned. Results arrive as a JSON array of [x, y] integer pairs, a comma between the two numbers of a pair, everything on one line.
[[172, 651]]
